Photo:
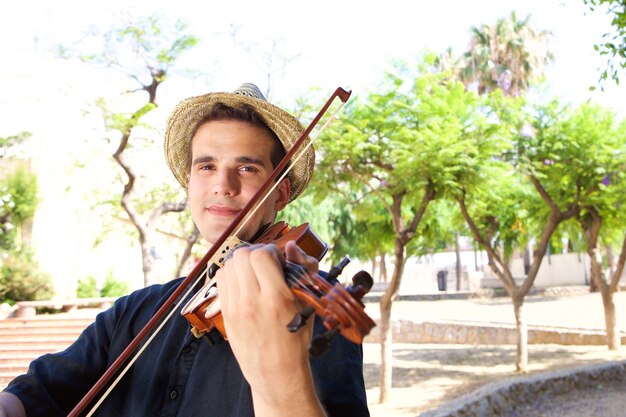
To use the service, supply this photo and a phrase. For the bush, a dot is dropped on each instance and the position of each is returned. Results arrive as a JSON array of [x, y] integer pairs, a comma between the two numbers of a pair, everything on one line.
[[88, 288], [21, 279], [113, 287], [18, 200]]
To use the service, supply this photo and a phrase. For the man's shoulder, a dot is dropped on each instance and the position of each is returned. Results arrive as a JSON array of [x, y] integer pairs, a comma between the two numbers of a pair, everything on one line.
[[156, 289], [151, 297]]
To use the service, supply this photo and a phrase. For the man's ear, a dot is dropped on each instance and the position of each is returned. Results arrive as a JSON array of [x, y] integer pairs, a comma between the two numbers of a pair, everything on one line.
[[283, 192]]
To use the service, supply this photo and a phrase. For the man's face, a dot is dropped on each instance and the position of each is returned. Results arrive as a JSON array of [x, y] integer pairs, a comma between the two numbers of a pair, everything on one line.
[[230, 161]]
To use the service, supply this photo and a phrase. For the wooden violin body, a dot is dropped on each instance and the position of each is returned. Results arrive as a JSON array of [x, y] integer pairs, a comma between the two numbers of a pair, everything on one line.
[[340, 308]]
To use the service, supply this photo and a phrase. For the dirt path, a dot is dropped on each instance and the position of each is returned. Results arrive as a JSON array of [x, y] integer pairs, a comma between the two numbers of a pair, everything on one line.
[[427, 375], [604, 400]]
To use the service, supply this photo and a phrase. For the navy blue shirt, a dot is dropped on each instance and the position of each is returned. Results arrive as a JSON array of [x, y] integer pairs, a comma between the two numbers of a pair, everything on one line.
[[177, 375]]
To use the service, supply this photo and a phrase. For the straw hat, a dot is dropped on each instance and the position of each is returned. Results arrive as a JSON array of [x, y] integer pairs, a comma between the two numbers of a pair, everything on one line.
[[183, 121]]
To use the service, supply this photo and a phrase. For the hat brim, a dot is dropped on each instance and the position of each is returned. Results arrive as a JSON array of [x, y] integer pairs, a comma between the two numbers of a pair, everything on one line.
[[184, 120]]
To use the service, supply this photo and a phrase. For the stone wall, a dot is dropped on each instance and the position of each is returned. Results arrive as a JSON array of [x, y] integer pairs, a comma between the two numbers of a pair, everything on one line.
[[450, 332], [500, 398]]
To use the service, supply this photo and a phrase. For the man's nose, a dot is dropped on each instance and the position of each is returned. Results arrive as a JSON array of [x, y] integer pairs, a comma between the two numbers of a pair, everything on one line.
[[225, 183]]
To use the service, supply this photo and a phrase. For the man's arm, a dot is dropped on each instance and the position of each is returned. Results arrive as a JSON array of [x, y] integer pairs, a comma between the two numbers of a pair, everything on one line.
[[11, 406], [257, 305]]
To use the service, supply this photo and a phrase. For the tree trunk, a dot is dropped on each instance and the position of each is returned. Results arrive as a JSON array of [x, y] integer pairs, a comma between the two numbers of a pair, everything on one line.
[[591, 225], [613, 337], [528, 250], [386, 348], [386, 342], [383, 267], [521, 328], [457, 249], [190, 241], [147, 261], [374, 268], [610, 260], [596, 266], [501, 269]]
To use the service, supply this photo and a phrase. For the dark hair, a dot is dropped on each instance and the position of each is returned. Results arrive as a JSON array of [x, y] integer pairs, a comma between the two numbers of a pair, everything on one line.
[[244, 113]]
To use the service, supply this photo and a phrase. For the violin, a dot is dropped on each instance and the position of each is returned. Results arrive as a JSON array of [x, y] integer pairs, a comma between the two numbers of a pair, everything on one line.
[[340, 309]]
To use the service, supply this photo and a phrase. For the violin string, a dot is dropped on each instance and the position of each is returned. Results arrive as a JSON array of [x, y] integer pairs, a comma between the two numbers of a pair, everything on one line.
[[296, 274], [190, 288]]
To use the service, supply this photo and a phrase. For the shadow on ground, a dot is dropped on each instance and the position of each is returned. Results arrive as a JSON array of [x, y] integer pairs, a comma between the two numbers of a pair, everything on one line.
[[430, 375]]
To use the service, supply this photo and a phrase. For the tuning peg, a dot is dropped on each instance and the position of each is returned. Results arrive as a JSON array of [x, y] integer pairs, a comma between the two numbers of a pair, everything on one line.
[[321, 344], [362, 282], [363, 279], [336, 270], [299, 319]]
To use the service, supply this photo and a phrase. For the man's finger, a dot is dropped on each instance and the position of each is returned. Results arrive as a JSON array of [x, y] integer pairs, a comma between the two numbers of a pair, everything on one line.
[[296, 255]]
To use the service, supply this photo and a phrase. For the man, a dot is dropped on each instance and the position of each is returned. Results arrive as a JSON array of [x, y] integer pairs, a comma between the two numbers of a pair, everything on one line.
[[221, 147]]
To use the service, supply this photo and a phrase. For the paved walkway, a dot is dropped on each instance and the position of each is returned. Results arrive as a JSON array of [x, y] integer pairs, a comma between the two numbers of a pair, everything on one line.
[[426, 376]]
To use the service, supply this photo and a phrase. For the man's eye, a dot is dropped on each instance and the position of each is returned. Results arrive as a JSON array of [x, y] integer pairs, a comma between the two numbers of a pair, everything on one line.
[[248, 169], [206, 167]]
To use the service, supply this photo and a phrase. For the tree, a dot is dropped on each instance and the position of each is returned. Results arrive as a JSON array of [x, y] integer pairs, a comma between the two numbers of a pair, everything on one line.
[[614, 46], [20, 276], [532, 188], [508, 55], [400, 147], [11, 143], [601, 218], [18, 200], [265, 54], [18, 194], [145, 51]]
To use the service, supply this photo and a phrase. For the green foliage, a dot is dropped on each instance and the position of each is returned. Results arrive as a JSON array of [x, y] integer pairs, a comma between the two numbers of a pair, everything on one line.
[[21, 278], [18, 200], [10, 143], [88, 288], [437, 229], [506, 56], [503, 207], [576, 153], [151, 43], [19, 192], [113, 288], [614, 47], [412, 139]]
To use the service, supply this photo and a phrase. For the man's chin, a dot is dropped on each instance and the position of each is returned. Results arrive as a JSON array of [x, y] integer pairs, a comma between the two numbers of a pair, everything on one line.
[[213, 234]]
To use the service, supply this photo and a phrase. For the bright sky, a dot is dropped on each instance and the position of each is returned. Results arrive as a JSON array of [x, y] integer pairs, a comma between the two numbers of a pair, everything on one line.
[[337, 43]]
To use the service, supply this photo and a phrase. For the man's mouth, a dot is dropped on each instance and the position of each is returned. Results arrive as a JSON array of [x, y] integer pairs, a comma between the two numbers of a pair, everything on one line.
[[223, 211]]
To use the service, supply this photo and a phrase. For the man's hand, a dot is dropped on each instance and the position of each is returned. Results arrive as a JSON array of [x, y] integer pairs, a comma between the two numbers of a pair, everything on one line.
[[257, 305]]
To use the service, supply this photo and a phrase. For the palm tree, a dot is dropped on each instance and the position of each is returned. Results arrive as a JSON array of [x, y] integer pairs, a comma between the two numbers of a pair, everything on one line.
[[508, 55]]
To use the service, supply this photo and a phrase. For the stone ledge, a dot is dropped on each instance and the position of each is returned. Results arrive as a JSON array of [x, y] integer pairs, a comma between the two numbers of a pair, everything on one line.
[[476, 333], [500, 398], [376, 294], [26, 309]]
